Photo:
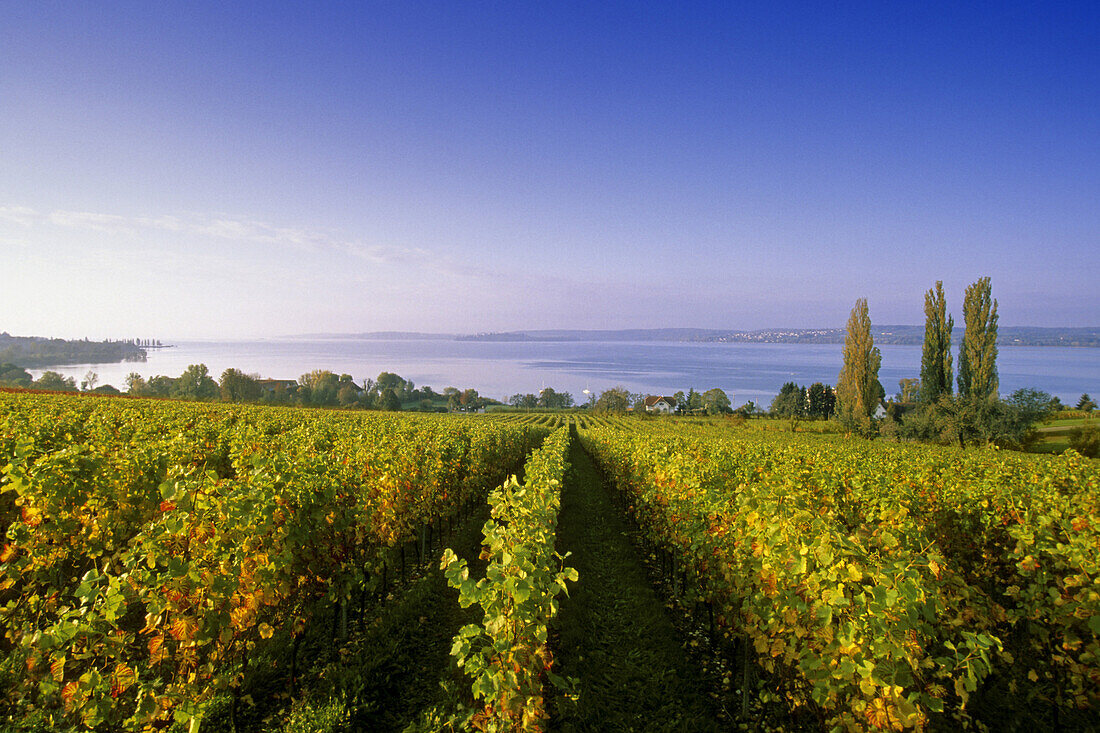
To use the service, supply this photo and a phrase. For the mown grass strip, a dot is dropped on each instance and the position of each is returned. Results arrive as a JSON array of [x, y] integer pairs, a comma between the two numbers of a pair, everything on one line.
[[616, 638]]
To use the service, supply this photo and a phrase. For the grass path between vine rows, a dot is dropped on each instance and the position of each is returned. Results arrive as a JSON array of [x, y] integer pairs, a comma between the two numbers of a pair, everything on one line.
[[407, 654], [615, 637], [384, 676]]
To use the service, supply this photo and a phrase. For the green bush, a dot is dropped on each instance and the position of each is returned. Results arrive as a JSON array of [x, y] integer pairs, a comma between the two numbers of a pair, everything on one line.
[[309, 716], [1069, 415], [1086, 440]]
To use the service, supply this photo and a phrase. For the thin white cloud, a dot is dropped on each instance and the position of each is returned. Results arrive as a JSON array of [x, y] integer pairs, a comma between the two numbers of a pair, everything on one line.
[[244, 230], [384, 253], [170, 223], [20, 215], [14, 242], [222, 227], [110, 223], [307, 240]]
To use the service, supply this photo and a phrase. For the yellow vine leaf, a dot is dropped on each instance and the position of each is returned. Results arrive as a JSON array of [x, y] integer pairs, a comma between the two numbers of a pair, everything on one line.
[[57, 668]]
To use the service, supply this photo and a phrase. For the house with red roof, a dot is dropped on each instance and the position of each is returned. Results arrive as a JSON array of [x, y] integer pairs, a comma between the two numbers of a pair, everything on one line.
[[657, 403]]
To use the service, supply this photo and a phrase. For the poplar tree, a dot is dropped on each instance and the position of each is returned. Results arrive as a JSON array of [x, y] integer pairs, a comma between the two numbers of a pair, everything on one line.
[[935, 364], [858, 390], [978, 353]]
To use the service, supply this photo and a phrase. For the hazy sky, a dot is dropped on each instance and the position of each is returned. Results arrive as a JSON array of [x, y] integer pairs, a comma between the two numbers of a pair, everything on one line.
[[226, 170]]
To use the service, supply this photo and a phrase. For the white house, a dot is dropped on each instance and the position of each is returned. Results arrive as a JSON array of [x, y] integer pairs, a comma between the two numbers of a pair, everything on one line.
[[663, 405]]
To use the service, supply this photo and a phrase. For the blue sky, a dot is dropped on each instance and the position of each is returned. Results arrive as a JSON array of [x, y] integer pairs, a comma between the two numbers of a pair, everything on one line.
[[187, 170]]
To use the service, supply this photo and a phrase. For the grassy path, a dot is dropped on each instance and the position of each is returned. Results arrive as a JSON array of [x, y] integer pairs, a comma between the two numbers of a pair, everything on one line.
[[404, 657], [384, 675], [615, 636]]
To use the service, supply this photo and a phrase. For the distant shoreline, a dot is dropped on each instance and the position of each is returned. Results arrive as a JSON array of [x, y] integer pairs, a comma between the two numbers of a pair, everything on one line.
[[31, 352], [898, 335]]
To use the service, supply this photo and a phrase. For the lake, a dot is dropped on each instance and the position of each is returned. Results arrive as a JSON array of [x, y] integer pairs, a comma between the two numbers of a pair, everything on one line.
[[745, 371]]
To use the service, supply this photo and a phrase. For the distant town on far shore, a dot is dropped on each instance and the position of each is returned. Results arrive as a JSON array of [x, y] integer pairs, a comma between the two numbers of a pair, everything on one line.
[[883, 335]]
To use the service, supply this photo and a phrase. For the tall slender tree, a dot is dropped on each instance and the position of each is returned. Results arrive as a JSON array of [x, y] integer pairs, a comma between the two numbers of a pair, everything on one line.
[[858, 391], [978, 353], [820, 400], [935, 365]]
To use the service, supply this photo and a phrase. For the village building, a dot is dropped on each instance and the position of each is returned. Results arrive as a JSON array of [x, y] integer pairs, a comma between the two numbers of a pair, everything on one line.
[[657, 403], [277, 386]]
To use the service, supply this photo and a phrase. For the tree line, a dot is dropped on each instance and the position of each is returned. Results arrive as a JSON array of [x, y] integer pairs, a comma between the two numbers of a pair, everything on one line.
[[818, 401], [547, 398], [942, 406], [620, 400], [319, 388]]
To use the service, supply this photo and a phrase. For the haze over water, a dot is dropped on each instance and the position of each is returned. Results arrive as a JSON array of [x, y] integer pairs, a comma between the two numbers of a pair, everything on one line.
[[745, 371]]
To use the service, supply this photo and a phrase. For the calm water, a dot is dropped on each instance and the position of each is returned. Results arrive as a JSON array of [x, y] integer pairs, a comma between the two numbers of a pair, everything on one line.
[[745, 371]]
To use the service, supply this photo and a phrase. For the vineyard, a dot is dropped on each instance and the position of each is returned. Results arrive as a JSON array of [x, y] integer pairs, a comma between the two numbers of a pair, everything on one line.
[[183, 566], [152, 547], [881, 586]]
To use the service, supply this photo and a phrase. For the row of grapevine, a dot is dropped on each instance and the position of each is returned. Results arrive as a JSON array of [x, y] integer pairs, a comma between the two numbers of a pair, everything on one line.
[[151, 546], [507, 655], [508, 417], [548, 420], [881, 585], [598, 421]]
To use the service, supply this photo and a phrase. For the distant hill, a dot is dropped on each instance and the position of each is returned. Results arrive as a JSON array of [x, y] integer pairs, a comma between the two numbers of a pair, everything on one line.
[[382, 336], [31, 352], [884, 335], [634, 334]]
